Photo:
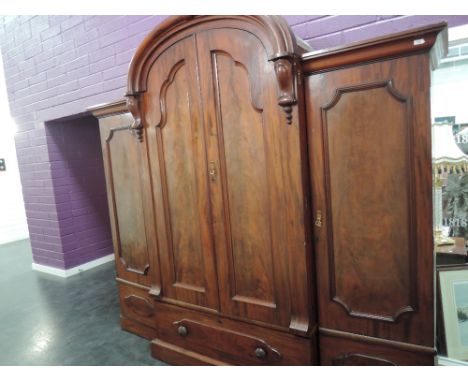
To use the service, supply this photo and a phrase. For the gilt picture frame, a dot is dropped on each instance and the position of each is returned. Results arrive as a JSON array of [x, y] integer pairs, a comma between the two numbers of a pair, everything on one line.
[[453, 283]]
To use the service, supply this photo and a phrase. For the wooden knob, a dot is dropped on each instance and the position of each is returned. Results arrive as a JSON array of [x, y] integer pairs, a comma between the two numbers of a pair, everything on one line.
[[182, 330], [260, 353]]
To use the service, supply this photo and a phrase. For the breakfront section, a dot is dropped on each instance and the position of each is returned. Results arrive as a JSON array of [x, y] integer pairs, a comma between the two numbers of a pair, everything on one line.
[[245, 177], [130, 203], [215, 112], [369, 134]]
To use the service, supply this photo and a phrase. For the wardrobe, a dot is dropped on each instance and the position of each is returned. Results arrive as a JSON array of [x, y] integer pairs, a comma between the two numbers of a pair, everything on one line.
[[271, 205]]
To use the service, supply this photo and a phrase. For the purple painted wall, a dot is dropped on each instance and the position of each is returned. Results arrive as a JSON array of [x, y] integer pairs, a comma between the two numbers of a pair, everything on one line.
[[57, 66], [65, 193], [328, 31]]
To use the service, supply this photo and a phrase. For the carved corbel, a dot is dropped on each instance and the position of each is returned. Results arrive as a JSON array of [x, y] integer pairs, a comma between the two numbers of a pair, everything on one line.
[[133, 106], [284, 69]]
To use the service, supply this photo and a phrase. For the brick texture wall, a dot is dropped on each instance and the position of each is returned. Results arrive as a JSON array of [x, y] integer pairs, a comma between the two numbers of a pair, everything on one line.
[[79, 189], [57, 66], [323, 32]]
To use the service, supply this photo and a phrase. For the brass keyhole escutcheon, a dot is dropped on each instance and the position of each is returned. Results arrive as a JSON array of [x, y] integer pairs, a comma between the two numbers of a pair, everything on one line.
[[212, 171], [318, 218]]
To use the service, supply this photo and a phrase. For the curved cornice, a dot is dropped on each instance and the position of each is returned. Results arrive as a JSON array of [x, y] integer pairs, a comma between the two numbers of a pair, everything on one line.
[[273, 31]]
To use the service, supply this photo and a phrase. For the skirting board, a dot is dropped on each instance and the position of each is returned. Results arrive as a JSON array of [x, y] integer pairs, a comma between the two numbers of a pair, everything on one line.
[[73, 271]]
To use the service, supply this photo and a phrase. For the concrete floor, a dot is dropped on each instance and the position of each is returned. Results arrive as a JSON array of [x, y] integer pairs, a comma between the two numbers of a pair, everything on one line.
[[48, 320]]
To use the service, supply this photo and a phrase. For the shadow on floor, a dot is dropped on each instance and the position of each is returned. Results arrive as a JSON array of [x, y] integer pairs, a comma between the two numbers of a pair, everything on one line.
[[47, 320]]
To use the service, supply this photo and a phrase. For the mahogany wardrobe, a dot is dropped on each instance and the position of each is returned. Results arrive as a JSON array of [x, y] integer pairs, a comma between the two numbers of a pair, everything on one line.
[[272, 205]]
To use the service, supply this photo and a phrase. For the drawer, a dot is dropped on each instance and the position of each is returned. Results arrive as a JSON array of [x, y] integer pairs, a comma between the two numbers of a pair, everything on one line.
[[223, 340], [136, 305], [346, 349]]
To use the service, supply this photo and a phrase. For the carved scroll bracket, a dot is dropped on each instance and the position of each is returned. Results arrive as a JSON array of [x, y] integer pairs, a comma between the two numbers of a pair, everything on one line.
[[133, 106], [285, 68]]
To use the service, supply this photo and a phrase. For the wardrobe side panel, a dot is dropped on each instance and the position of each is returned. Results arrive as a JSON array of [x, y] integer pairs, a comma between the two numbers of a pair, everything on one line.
[[130, 206]]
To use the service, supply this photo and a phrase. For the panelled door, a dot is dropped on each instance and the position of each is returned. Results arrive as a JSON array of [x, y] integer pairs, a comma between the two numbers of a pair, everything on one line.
[[223, 177], [371, 168], [176, 147], [130, 204], [244, 158]]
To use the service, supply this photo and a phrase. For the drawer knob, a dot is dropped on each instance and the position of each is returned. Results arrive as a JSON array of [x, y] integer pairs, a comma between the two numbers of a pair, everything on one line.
[[182, 330], [260, 353]]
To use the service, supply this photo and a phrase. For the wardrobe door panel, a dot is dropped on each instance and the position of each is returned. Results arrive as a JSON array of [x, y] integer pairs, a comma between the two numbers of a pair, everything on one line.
[[176, 147], [122, 154], [338, 349], [246, 153], [355, 150], [246, 184], [129, 198], [369, 138]]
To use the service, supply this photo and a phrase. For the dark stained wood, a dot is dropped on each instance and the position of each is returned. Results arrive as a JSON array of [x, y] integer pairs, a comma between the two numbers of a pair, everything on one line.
[[273, 31], [138, 328], [252, 168], [241, 161], [109, 109], [137, 305], [369, 146], [199, 308], [376, 259], [223, 175], [246, 146], [229, 341], [346, 350], [129, 198], [356, 359], [176, 355], [377, 341], [179, 175], [122, 153], [394, 45]]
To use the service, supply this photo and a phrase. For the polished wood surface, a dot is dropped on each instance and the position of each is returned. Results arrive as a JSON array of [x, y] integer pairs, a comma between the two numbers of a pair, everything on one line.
[[228, 340], [179, 172], [371, 180], [413, 41], [247, 180], [369, 146], [337, 349], [246, 150], [216, 110], [239, 188], [136, 304], [129, 197], [138, 328], [365, 256], [237, 162], [176, 355]]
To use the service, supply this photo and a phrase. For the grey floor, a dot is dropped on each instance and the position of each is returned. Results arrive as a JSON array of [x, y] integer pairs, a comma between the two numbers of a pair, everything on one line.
[[48, 320]]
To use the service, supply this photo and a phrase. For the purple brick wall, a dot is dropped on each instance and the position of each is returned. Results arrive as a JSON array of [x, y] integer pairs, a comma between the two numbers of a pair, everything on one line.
[[64, 190], [57, 66], [323, 32], [80, 189]]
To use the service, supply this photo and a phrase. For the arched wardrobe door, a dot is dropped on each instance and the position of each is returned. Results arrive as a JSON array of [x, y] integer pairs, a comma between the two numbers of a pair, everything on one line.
[[215, 100], [255, 179], [173, 123]]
